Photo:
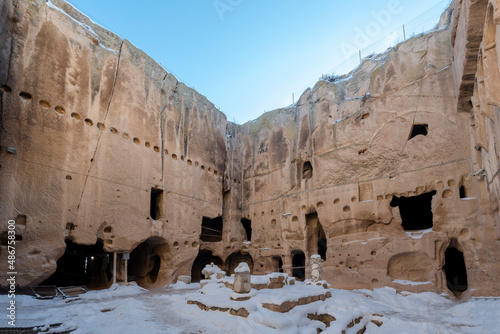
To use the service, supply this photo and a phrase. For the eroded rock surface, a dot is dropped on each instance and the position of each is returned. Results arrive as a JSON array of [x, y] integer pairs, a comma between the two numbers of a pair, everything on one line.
[[389, 173]]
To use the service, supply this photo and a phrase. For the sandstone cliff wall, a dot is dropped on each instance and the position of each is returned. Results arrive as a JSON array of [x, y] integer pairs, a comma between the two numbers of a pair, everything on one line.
[[388, 172], [97, 124]]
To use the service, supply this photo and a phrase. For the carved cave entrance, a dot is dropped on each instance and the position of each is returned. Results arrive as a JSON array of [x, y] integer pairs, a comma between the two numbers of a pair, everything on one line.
[[462, 192], [204, 257], [416, 211], [316, 238], [455, 270], [299, 265], [247, 225], [156, 203], [464, 187], [211, 229], [87, 265], [307, 170], [277, 264], [146, 260], [418, 129], [235, 259]]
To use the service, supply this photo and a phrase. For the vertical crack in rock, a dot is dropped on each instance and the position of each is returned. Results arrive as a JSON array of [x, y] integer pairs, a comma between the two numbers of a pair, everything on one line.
[[162, 145], [9, 63], [295, 148], [229, 163], [493, 177], [162, 129], [114, 83], [1, 117], [185, 131], [100, 133]]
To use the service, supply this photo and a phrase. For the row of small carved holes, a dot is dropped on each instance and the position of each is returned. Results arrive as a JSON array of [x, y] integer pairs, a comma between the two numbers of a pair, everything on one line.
[[109, 229], [101, 126], [347, 208], [60, 110], [196, 163]]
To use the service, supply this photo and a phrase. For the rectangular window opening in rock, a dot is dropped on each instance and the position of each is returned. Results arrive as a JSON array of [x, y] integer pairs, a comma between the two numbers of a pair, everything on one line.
[[211, 229], [156, 204], [247, 225], [416, 211]]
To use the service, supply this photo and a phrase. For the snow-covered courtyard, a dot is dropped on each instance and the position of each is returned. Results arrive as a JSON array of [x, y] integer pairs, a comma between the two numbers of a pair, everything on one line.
[[131, 309]]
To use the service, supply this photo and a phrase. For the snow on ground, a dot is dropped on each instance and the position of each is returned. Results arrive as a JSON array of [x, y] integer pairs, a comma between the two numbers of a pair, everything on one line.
[[418, 234], [124, 309]]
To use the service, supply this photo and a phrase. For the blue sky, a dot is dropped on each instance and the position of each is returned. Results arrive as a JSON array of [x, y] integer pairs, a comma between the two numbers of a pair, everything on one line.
[[249, 56]]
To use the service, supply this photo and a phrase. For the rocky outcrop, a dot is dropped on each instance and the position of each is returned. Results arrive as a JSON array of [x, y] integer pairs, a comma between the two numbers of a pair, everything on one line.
[[388, 172], [101, 130]]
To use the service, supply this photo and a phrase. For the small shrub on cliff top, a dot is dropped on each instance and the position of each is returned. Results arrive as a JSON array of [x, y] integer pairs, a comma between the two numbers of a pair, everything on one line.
[[330, 77]]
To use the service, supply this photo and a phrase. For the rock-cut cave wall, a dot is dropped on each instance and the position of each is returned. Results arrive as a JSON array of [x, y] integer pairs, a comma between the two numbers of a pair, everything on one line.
[[390, 173]]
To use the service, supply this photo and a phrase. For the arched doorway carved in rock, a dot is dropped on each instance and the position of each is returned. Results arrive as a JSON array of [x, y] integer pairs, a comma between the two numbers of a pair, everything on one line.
[[316, 237], [147, 260], [455, 269], [235, 259], [204, 257]]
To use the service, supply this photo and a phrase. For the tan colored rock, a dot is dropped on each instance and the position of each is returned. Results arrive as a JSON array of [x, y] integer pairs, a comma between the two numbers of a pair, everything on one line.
[[286, 306], [412, 266], [324, 318], [211, 271], [277, 281], [241, 312], [184, 279]]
